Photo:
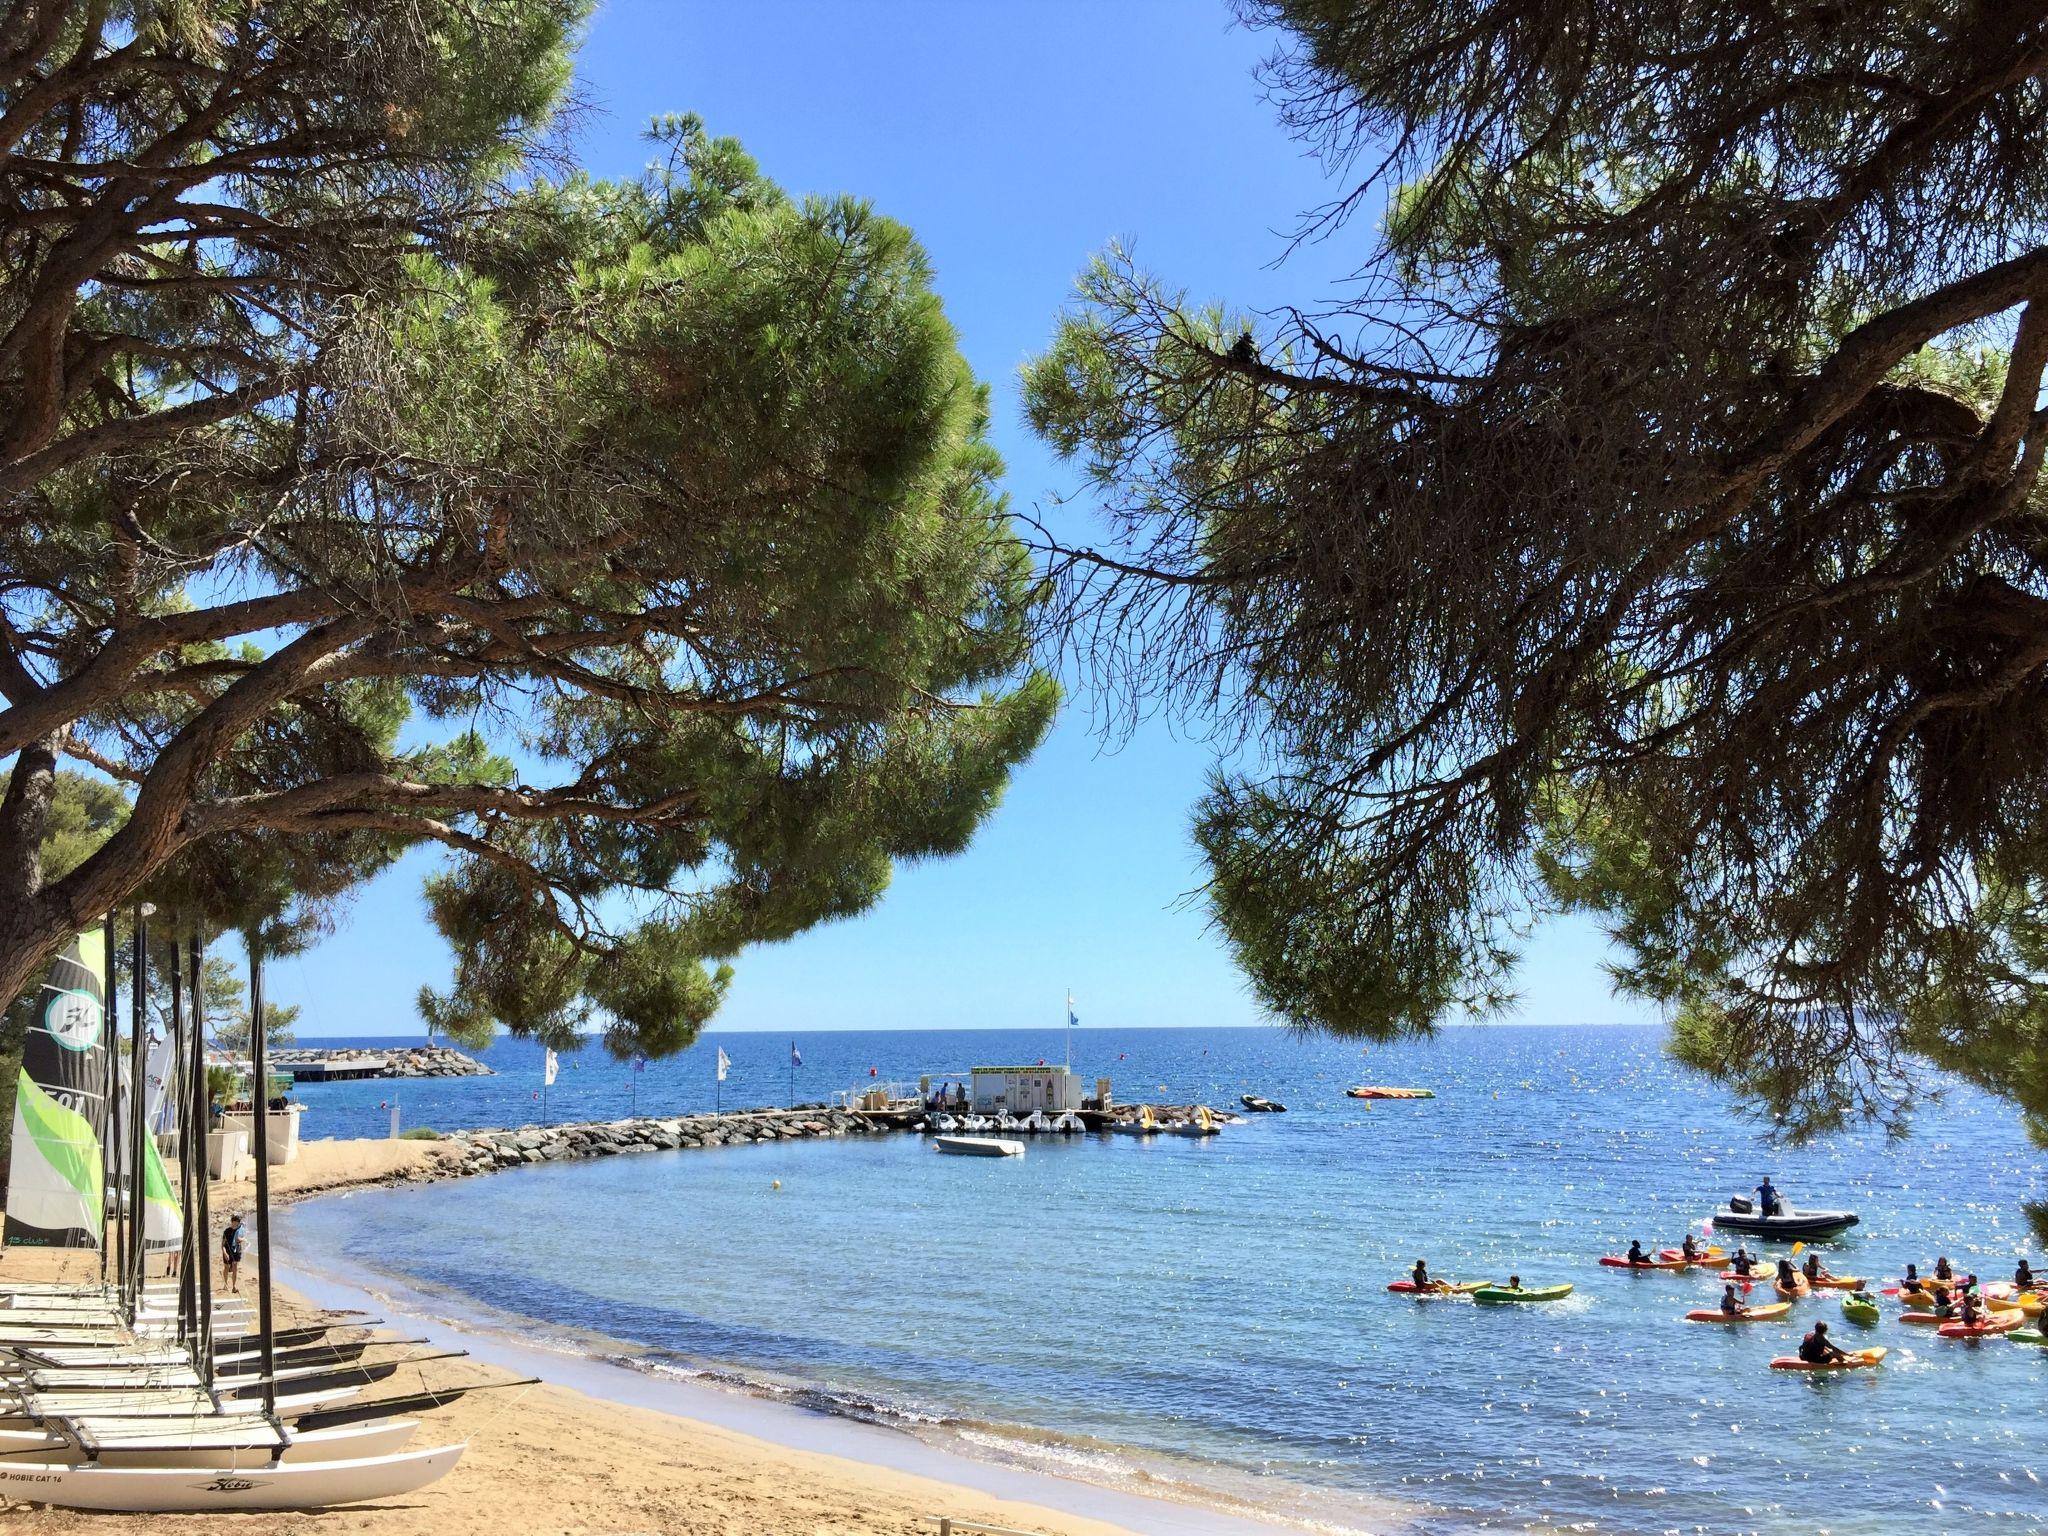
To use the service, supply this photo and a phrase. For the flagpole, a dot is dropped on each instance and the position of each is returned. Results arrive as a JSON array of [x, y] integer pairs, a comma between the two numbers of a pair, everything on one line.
[[792, 1074]]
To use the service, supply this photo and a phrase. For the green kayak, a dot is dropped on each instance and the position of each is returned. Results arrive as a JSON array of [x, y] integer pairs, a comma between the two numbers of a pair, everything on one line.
[[1859, 1309], [1525, 1293], [2028, 1336]]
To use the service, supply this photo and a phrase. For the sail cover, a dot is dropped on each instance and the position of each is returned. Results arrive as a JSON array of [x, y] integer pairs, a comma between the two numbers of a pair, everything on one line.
[[55, 1178]]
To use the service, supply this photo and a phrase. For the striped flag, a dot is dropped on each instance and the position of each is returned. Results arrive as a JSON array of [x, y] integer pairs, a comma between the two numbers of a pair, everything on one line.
[[724, 1063], [549, 1069]]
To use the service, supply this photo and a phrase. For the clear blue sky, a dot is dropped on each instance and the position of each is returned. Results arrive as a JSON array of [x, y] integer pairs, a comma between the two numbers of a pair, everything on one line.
[[1016, 139]]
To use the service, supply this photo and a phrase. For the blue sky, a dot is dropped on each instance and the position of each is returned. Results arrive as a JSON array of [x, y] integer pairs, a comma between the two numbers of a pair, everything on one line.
[[1016, 140]]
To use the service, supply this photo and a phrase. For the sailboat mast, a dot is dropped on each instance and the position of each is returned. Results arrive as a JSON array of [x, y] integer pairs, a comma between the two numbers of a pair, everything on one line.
[[138, 1266], [177, 1106], [110, 1109], [259, 1055], [199, 1265]]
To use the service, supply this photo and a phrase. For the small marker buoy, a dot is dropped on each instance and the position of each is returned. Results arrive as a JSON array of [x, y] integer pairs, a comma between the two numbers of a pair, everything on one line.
[[776, 1184]]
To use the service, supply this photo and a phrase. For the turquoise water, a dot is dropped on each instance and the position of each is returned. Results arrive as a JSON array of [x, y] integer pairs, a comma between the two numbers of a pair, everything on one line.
[[1117, 1303]]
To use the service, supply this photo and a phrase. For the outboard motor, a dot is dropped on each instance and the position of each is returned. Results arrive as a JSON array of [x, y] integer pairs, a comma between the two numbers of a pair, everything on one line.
[[1740, 1205]]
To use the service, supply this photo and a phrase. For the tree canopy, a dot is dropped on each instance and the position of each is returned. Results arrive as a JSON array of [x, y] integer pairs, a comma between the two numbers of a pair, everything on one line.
[[1653, 527], [638, 543]]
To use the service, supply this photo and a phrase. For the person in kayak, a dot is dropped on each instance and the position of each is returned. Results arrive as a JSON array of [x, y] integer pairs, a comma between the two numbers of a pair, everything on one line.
[[1636, 1254], [1767, 1197], [1788, 1277], [2023, 1276], [1910, 1281], [1689, 1248], [1944, 1271], [1731, 1304], [1970, 1315], [1420, 1276], [1818, 1349], [1742, 1263], [1514, 1282], [1812, 1269]]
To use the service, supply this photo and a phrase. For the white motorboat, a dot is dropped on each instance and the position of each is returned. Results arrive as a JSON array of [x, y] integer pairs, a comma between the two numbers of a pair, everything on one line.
[[978, 1146]]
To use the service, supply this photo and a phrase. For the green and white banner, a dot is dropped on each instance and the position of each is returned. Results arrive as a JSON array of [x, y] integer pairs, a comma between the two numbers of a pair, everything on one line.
[[55, 1184]]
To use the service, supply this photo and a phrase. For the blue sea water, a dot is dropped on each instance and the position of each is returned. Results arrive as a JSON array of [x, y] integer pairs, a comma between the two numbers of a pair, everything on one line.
[[1217, 1310]]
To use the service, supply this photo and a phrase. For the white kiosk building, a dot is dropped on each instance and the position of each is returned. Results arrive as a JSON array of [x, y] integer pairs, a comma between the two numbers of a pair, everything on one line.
[[1023, 1090]]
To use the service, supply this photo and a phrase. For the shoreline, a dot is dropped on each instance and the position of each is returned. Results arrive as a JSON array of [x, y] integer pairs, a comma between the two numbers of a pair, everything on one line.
[[739, 1406], [619, 1401]]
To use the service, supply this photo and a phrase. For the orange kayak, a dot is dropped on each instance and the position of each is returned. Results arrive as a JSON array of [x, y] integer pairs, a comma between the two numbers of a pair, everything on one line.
[[1857, 1359], [1983, 1328], [1391, 1093], [1769, 1314]]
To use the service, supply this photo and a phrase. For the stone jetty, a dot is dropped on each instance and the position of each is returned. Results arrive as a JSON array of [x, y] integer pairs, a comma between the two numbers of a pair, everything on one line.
[[355, 1062], [487, 1151]]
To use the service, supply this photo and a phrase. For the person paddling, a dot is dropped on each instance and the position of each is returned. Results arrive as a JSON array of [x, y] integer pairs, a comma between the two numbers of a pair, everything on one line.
[[1635, 1252], [1970, 1315], [2023, 1276], [1911, 1280], [1944, 1271], [1731, 1305], [1788, 1277], [1813, 1271], [1690, 1249], [1818, 1349], [1742, 1263], [1420, 1276]]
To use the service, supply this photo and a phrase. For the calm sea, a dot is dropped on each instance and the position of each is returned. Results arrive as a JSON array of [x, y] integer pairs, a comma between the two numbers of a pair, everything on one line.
[[1216, 1311]]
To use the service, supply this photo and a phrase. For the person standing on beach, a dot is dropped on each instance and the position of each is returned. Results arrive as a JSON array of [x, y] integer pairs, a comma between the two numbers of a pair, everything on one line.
[[231, 1255]]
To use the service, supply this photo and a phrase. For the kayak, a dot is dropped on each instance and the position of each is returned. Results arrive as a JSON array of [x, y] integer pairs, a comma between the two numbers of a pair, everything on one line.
[[1922, 1319], [1391, 1093], [1523, 1293], [1860, 1309], [1857, 1359], [1617, 1261], [2028, 1336], [1439, 1287], [1984, 1328], [1799, 1288], [1754, 1277], [1767, 1314], [2027, 1303], [1838, 1283], [1700, 1256], [1917, 1298]]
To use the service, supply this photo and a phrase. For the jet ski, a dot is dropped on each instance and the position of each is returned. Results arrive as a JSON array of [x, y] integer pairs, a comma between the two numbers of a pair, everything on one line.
[[1741, 1215], [1259, 1106]]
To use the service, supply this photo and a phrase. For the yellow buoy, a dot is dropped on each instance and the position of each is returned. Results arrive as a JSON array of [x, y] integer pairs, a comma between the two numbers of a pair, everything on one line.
[[777, 1184]]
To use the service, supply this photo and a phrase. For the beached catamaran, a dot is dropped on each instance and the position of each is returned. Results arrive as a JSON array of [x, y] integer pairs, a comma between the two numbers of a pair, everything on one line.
[[129, 1395]]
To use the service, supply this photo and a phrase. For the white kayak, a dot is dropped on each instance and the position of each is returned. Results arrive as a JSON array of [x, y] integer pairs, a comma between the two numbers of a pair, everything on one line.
[[165, 1490], [208, 1443]]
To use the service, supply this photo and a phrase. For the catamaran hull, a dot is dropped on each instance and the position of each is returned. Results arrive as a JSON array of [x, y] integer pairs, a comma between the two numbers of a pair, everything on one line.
[[348, 1443], [170, 1490]]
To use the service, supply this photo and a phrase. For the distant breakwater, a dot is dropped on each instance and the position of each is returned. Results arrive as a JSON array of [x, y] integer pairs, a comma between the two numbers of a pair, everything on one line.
[[412, 1061], [465, 1153]]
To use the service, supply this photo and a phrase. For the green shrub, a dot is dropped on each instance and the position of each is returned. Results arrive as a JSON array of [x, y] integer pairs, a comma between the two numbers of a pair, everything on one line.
[[420, 1133]]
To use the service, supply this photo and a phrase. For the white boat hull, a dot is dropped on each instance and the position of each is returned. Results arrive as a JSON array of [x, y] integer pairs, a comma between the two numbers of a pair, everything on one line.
[[175, 1448], [166, 1490], [978, 1146]]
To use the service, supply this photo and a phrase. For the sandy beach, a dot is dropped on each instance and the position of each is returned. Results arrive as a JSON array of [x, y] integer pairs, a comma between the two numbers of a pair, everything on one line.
[[551, 1458]]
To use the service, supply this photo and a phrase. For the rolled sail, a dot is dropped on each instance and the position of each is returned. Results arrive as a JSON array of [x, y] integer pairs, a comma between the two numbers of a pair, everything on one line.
[[55, 1182]]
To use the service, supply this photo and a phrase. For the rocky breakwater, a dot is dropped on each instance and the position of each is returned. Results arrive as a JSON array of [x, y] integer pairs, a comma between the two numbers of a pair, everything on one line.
[[487, 1151], [402, 1061]]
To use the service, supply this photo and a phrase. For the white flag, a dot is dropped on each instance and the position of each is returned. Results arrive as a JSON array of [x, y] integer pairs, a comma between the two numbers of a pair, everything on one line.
[[724, 1062], [547, 1073]]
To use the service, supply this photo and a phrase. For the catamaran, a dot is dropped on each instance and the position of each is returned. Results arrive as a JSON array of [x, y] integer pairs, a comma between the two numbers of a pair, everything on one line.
[[145, 1397]]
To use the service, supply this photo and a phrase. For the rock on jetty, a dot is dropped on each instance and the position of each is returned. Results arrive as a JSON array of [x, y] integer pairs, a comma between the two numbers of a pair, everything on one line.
[[487, 1151]]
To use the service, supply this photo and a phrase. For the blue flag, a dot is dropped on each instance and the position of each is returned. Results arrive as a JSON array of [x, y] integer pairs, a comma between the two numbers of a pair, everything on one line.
[[796, 1057]]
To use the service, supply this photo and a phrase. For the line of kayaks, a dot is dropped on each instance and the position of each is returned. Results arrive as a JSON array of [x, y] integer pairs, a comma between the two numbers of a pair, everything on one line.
[[1479, 1290], [1370, 1092]]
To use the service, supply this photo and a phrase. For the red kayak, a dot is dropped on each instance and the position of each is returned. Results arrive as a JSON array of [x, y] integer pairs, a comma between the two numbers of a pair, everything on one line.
[[1616, 1261], [1984, 1328]]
